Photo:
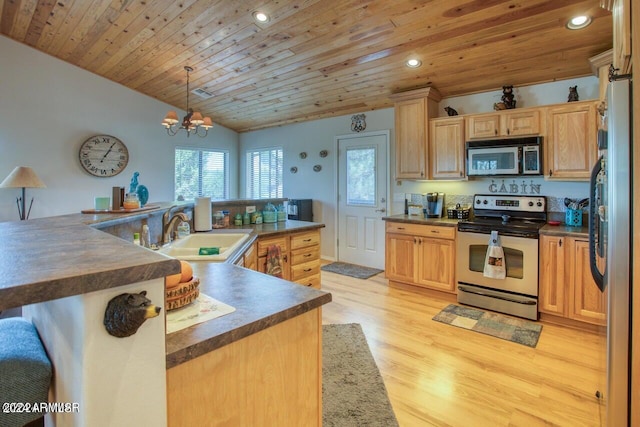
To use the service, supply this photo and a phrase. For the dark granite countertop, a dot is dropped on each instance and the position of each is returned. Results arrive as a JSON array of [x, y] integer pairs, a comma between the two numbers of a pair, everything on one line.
[[49, 258], [415, 219], [564, 230], [260, 301]]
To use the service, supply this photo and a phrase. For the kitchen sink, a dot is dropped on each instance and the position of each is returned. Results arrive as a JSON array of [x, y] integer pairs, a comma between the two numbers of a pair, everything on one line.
[[188, 248]]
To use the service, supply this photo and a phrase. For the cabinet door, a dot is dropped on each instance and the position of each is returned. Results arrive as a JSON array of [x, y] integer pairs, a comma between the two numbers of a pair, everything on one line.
[[571, 141], [436, 265], [411, 139], [483, 126], [399, 257], [263, 247], [446, 153], [251, 258], [552, 275], [587, 303], [622, 35], [521, 123]]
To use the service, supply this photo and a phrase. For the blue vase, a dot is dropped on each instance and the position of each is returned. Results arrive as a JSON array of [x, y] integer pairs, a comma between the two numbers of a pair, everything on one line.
[[143, 194]]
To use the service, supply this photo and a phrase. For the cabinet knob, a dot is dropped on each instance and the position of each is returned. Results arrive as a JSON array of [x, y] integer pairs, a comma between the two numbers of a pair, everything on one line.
[[495, 131], [560, 243]]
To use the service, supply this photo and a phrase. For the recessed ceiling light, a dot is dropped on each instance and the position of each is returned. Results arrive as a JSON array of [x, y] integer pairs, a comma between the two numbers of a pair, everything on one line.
[[260, 17], [413, 63], [578, 22]]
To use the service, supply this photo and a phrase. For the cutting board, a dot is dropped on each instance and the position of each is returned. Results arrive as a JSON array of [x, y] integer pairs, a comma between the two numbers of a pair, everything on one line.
[[114, 211]]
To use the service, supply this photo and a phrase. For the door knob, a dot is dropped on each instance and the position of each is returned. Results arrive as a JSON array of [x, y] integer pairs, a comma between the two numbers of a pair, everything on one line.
[[381, 210]]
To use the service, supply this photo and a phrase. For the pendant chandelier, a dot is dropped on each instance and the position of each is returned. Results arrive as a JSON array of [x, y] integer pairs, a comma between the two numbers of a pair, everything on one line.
[[193, 122]]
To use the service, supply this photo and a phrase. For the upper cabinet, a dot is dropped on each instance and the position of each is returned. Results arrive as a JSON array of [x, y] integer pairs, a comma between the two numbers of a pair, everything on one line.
[[621, 11], [413, 109], [570, 143], [504, 123], [446, 148]]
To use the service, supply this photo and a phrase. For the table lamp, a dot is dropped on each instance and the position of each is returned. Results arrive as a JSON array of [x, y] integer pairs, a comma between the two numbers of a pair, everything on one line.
[[22, 177]]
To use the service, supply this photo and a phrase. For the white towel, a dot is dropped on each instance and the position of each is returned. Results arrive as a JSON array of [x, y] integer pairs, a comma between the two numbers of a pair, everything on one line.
[[494, 263]]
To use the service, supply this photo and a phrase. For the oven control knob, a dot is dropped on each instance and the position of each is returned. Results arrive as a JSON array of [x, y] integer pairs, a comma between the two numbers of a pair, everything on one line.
[[539, 204], [478, 202], [530, 203], [486, 202]]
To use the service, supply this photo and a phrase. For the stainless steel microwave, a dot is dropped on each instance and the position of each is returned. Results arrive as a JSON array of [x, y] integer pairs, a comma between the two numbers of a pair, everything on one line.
[[513, 156]]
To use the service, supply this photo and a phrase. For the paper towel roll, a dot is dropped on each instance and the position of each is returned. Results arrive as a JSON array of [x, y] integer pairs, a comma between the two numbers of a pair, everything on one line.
[[202, 214]]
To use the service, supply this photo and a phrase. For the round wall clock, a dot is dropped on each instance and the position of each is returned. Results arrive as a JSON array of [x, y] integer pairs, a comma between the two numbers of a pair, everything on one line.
[[103, 156]]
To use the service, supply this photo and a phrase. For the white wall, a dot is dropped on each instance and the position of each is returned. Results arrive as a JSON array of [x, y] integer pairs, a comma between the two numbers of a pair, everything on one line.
[[48, 108]]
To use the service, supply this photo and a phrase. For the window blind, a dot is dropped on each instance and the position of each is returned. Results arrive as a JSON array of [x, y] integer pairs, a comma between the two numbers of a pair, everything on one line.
[[201, 173], [264, 173]]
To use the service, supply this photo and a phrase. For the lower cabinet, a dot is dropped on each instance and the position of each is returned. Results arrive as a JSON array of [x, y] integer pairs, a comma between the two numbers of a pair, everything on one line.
[[566, 286], [250, 257], [421, 255], [299, 256]]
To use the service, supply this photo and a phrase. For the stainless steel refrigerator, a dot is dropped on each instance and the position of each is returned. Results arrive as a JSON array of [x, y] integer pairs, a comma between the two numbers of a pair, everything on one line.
[[610, 226]]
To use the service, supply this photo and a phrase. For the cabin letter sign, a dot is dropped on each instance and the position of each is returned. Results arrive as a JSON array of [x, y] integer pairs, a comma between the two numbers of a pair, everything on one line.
[[514, 188]]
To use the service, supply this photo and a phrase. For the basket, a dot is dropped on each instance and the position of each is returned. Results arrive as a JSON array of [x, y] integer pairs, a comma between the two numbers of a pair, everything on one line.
[[573, 218], [458, 213]]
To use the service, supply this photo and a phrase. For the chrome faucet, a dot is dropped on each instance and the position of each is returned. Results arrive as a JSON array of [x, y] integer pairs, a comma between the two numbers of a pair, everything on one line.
[[169, 224]]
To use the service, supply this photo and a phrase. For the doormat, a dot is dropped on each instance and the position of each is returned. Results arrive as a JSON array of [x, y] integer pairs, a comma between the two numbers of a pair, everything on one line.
[[353, 392], [507, 328], [357, 271]]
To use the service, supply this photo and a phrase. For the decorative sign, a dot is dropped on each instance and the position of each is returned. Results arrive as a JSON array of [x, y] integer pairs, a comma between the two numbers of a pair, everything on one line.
[[357, 123], [514, 188]]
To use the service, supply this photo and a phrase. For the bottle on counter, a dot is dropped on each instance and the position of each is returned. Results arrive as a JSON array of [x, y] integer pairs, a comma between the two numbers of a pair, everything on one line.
[[136, 239], [246, 219], [218, 220], [227, 220], [237, 220], [145, 237]]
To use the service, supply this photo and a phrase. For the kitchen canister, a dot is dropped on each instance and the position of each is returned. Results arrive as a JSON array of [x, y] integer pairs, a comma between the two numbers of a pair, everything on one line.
[[573, 217], [202, 214]]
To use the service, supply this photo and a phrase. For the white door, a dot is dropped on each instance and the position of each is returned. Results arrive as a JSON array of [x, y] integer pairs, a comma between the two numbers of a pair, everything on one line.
[[362, 197]]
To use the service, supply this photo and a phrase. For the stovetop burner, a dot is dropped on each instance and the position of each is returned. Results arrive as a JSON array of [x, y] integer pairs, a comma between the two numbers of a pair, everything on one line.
[[520, 216]]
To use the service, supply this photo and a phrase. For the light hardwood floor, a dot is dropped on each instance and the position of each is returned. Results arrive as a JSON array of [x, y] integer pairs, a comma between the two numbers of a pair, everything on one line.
[[441, 375]]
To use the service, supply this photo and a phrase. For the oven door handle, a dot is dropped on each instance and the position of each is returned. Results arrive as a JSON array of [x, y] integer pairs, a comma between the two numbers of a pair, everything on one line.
[[473, 291]]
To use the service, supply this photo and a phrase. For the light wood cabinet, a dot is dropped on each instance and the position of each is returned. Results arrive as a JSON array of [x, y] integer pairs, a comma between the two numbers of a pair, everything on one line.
[[412, 111], [299, 253], [621, 11], [570, 143], [566, 286], [504, 123], [250, 257], [446, 143], [421, 255], [273, 377]]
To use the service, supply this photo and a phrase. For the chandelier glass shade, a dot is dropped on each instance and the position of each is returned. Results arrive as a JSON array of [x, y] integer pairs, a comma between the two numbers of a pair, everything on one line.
[[193, 122]]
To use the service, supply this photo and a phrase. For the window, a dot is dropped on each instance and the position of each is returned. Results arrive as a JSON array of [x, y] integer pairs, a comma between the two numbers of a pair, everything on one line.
[[264, 173], [361, 176], [201, 172]]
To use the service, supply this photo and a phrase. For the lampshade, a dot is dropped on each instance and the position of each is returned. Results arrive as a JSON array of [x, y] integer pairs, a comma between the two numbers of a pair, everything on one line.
[[22, 177]]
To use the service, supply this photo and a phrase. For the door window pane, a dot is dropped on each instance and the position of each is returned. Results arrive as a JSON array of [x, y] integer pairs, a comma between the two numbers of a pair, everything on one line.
[[361, 176]]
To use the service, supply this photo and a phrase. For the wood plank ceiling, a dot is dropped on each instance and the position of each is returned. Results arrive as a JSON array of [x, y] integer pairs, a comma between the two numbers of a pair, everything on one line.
[[314, 58]]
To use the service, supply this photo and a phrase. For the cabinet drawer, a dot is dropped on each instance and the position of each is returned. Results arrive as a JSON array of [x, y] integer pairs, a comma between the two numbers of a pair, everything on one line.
[[438, 232], [302, 255], [263, 244], [301, 240], [301, 271], [311, 281]]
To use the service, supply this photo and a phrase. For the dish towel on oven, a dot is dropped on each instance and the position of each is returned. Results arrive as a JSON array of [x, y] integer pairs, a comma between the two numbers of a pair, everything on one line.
[[274, 261], [494, 262]]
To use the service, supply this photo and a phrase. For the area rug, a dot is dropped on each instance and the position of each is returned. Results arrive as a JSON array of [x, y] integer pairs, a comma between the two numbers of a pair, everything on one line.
[[353, 392], [507, 328], [353, 270]]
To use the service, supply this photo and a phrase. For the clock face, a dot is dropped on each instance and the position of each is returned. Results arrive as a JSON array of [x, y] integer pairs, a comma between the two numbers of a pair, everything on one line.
[[104, 156]]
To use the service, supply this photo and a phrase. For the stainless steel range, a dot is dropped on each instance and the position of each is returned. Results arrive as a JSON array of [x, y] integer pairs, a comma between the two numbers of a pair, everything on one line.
[[518, 220]]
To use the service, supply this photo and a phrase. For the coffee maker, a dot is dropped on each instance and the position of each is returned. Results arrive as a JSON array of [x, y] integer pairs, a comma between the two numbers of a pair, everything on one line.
[[434, 202]]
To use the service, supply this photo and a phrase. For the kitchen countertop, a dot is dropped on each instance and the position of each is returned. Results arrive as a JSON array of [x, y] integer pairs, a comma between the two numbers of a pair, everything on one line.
[[50, 258], [260, 301], [564, 230], [415, 219]]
